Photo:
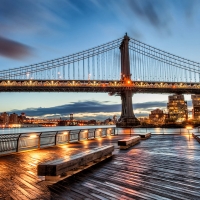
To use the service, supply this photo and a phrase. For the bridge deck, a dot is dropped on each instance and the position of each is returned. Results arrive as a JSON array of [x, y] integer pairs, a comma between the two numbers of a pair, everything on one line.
[[162, 167]]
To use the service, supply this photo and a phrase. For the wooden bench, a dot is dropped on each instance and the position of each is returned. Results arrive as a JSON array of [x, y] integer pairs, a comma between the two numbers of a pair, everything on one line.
[[60, 169], [196, 136], [126, 143], [145, 136]]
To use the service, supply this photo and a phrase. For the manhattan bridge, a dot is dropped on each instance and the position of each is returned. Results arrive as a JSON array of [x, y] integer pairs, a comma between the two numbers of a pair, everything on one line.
[[122, 67]]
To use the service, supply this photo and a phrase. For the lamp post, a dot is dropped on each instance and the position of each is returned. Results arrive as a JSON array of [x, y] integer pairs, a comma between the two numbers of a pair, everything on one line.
[[189, 128]]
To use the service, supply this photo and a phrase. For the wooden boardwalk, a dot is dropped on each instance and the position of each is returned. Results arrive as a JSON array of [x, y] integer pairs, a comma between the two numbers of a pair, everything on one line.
[[162, 167]]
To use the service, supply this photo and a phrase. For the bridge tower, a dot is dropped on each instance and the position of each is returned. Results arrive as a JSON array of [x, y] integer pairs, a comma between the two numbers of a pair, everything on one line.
[[127, 118]]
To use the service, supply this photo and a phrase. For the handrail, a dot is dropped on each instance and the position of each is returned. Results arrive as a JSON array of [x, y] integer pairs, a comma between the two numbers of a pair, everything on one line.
[[11, 143]]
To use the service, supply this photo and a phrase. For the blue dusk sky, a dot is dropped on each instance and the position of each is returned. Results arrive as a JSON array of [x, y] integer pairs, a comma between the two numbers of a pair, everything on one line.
[[36, 31]]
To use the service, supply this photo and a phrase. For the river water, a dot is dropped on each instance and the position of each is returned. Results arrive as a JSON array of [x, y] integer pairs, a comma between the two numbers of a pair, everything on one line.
[[45, 129], [134, 130]]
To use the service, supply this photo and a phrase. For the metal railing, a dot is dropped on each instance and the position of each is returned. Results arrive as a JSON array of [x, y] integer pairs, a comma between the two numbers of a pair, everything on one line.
[[10, 143]]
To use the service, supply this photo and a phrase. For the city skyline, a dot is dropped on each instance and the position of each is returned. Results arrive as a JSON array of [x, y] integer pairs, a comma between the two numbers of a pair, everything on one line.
[[105, 110], [54, 34]]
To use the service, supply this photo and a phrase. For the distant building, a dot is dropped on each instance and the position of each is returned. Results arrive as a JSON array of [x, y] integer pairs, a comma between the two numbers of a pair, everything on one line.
[[177, 108], [98, 122], [71, 117], [157, 116], [108, 121], [114, 119], [22, 118], [4, 118], [63, 123], [196, 106], [13, 118], [92, 122], [144, 120]]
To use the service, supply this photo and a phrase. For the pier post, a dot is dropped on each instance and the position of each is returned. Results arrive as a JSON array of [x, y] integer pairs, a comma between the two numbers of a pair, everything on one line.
[[18, 139], [39, 140]]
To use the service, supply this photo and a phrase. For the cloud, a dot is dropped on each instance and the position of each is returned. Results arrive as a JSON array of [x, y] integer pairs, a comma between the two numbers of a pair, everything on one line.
[[93, 109], [34, 18], [90, 109], [151, 104], [44, 18], [73, 107], [12, 49], [161, 15], [148, 10]]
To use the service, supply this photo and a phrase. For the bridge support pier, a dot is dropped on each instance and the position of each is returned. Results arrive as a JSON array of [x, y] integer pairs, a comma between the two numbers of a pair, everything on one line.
[[127, 118]]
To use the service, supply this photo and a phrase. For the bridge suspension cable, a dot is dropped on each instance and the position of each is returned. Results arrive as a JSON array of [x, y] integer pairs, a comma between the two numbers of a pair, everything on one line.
[[152, 64], [99, 63], [103, 63]]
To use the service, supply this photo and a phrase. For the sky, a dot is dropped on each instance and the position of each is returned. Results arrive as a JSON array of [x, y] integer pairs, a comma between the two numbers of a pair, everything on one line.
[[36, 31]]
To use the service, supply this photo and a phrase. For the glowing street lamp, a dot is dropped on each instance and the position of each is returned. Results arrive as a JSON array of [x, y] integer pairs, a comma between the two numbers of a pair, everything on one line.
[[33, 136]]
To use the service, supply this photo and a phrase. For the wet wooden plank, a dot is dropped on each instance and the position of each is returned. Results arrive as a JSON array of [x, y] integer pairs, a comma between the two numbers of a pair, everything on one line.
[[165, 167]]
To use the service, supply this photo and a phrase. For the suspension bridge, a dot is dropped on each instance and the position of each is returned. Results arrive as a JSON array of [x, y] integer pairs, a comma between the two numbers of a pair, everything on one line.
[[122, 67]]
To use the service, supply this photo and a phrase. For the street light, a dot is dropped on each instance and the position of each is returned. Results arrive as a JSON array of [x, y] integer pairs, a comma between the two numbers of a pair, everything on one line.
[[189, 128]]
